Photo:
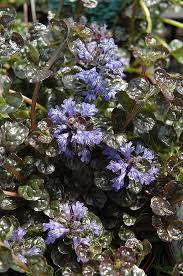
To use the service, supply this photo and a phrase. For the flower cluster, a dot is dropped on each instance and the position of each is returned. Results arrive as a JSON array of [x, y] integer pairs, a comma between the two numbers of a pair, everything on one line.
[[74, 224], [102, 63], [131, 163], [17, 244], [74, 129]]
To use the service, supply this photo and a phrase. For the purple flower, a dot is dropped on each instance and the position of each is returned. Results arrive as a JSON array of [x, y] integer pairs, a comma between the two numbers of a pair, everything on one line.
[[126, 150], [111, 153], [22, 258], [17, 241], [119, 166], [69, 107], [67, 210], [148, 155], [18, 234], [131, 165], [84, 155], [82, 52], [77, 241], [33, 251], [88, 110], [99, 31], [74, 129], [135, 174], [79, 210], [95, 228], [106, 45], [101, 62], [95, 85], [55, 231]]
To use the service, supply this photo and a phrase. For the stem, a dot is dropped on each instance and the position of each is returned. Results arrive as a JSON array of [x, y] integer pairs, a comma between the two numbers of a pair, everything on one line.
[[147, 15], [33, 10], [17, 261], [79, 9], [132, 23], [172, 22], [143, 70], [33, 106], [38, 106], [140, 72], [135, 110], [59, 49], [133, 70], [150, 259], [177, 200], [23, 266], [131, 116], [163, 42], [25, 10], [61, 9], [14, 172], [29, 101], [11, 194], [177, 164]]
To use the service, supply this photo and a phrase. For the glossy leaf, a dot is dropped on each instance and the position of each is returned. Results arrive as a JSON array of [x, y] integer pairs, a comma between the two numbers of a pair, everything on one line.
[[5, 259], [161, 207]]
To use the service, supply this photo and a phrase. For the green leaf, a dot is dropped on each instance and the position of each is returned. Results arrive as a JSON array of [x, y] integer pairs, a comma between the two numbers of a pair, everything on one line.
[[5, 84], [9, 204], [143, 124], [5, 259], [128, 219], [7, 225], [126, 233], [165, 83], [54, 209], [13, 134], [42, 203], [33, 190], [167, 135], [178, 54], [33, 54], [38, 265], [12, 103], [38, 242]]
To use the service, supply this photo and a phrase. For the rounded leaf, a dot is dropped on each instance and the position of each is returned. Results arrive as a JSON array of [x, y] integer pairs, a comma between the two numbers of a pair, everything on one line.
[[161, 207], [5, 259]]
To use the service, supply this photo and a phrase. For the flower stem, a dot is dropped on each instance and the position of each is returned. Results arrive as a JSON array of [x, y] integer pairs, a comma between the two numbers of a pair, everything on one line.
[[79, 9], [29, 101], [61, 9], [16, 260], [172, 22], [10, 194], [33, 106], [132, 23], [25, 11], [38, 106], [147, 15], [14, 172], [33, 10]]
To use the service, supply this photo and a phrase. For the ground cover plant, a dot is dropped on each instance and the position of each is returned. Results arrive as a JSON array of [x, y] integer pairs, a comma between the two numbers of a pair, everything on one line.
[[91, 157]]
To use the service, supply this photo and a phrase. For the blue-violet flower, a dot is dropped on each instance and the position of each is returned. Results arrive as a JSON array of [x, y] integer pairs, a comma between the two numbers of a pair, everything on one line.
[[74, 129], [16, 244], [131, 163], [76, 225]]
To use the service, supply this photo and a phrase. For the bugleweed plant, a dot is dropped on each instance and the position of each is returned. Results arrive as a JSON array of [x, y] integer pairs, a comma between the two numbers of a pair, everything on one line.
[[91, 157]]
